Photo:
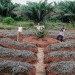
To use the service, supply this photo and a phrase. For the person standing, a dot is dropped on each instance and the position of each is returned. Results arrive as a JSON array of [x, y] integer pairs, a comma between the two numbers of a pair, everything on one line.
[[61, 34], [19, 33], [39, 27]]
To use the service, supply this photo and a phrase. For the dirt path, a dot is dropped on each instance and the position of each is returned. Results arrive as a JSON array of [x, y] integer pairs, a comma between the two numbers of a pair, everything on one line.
[[40, 66]]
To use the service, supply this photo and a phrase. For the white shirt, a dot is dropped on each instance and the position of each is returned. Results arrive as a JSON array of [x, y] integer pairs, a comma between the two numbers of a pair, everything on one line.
[[39, 28], [62, 33], [20, 29]]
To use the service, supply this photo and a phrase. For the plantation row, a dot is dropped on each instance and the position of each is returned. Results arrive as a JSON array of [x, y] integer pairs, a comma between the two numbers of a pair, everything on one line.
[[60, 58], [19, 58], [16, 57]]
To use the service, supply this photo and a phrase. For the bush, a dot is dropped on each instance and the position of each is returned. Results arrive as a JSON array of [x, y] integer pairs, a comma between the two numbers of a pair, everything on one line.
[[8, 20], [54, 19], [1, 18], [40, 34]]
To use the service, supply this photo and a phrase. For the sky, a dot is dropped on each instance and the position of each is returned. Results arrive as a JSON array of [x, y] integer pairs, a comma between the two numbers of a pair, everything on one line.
[[24, 1]]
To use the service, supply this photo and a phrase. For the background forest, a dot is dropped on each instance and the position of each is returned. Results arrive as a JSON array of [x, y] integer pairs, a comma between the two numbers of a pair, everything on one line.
[[52, 15]]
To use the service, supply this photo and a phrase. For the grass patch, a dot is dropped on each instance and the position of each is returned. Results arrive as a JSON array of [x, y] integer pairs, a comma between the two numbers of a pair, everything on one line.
[[29, 25], [5, 26], [25, 25], [57, 26]]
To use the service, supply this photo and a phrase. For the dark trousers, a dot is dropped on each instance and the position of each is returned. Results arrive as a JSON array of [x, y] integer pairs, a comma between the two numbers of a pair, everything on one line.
[[60, 37]]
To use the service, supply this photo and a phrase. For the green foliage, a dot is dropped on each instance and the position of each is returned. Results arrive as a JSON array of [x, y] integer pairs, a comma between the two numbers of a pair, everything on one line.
[[63, 11], [1, 18], [66, 11], [9, 20], [28, 25], [58, 25], [6, 7], [54, 19], [40, 34], [38, 11]]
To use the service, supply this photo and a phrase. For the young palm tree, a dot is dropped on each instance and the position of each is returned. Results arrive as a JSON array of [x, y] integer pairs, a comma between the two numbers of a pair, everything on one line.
[[1, 9], [71, 12], [66, 10], [38, 11], [6, 7]]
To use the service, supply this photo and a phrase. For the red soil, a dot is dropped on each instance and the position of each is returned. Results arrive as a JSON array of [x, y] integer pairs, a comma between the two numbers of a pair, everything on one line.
[[1, 36], [18, 48], [32, 72], [7, 72], [52, 73], [61, 49], [32, 60], [12, 38], [48, 60], [41, 42], [56, 73]]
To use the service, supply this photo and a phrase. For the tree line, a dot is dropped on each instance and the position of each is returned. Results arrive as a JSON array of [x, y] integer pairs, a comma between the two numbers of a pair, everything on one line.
[[63, 11]]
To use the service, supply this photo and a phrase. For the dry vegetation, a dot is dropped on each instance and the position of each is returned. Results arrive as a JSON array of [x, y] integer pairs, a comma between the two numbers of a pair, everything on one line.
[[57, 59]]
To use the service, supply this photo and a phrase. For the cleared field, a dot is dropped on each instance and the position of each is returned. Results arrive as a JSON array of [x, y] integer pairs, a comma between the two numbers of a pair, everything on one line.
[[53, 59]]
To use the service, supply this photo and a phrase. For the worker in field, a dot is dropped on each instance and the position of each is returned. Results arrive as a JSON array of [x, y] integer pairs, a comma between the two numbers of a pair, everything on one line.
[[39, 27], [61, 34]]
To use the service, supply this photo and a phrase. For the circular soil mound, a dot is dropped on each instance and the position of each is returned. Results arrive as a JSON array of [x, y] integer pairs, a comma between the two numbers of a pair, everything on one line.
[[61, 68], [41, 42], [16, 68]]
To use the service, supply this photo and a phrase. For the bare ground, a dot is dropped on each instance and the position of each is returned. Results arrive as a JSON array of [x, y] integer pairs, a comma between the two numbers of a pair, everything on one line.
[[40, 66]]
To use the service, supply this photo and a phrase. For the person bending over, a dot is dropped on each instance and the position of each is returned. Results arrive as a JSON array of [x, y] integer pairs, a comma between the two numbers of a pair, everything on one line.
[[61, 34]]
